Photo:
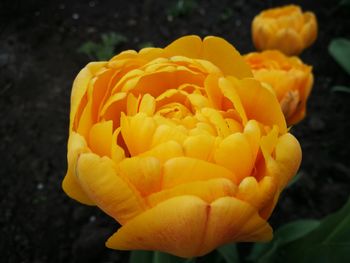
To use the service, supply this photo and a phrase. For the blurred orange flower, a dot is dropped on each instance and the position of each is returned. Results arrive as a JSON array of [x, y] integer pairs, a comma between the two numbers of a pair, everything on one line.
[[180, 145], [289, 77], [285, 28]]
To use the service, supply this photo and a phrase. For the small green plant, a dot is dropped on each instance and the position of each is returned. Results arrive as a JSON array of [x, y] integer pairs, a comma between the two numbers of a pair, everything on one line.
[[145, 44], [105, 49], [182, 8], [339, 49]]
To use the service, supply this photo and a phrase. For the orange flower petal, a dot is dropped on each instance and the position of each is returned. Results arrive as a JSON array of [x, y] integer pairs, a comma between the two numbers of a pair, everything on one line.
[[232, 220], [199, 147], [235, 154], [208, 191], [115, 196], [183, 170], [225, 57], [80, 86], [142, 172], [164, 151], [260, 104], [76, 146], [100, 138], [175, 226], [137, 131], [186, 226], [188, 46], [258, 194]]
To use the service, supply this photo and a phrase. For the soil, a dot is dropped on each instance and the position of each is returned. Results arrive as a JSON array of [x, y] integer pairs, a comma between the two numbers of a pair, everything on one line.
[[38, 62]]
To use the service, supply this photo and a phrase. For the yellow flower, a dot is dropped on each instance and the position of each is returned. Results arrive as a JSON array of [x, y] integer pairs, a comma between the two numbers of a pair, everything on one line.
[[285, 28], [180, 145], [290, 79]]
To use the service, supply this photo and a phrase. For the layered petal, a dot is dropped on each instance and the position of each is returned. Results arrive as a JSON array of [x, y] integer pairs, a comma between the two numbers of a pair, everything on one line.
[[181, 145], [115, 196], [289, 78], [188, 226], [284, 28], [76, 146]]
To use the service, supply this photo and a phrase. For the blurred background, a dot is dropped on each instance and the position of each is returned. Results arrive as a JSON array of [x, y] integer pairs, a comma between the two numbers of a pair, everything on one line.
[[44, 44]]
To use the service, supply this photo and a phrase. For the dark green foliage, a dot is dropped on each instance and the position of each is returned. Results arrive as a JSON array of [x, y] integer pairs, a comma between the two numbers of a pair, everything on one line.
[[339, 49], [268, 252], [229, 253], [182, 8], [105, 49], [327, 240]]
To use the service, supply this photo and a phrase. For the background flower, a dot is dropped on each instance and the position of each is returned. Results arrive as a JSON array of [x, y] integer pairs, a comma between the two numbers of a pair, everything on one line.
[[285, 28], [180, 145], [289, 77]]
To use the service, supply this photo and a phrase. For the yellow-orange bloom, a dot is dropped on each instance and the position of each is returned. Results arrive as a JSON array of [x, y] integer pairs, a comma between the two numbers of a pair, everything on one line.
[[289, 77], [180, 145], [285, 28]]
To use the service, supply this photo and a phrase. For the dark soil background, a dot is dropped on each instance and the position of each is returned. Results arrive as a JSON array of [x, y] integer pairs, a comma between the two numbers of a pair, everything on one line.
[[38, 62]]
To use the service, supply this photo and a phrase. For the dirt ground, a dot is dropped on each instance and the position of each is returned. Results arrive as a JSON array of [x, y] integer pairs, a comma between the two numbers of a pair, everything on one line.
[[38, 62]]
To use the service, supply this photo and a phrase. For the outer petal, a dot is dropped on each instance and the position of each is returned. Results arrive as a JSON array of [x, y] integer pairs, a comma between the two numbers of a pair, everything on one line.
[[258, 194], [175, 226], [282, 167], [286, 161], [287, 40], [188, 46], [216, 50], [232, 220], [226, 57], [309, 30], [80, 86], [188, 227], [111, 193], [76, 146]]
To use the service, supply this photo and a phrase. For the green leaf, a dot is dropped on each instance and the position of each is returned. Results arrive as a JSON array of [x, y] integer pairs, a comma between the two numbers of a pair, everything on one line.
[[229, 253], [341, 89], [105, 49], [160, 257], [88, 48], [325, 253], [295, 230], [145, 44], [340, 50], [333, 234], [266, 252], [138, 256]]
